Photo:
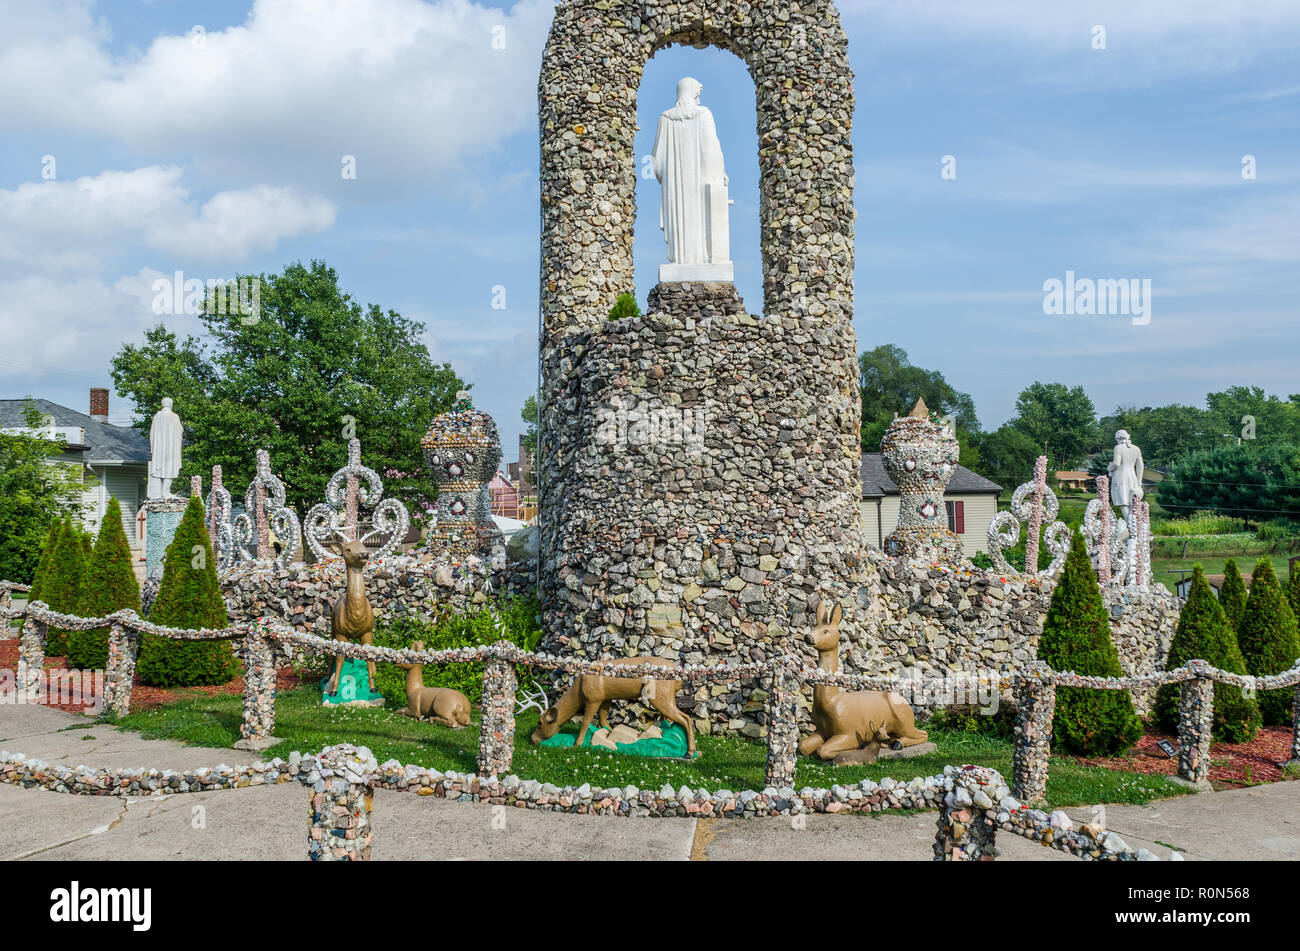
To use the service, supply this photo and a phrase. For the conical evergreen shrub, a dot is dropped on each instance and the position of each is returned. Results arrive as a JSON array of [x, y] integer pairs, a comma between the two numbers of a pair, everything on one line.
[[1232, 596], [188, 597], [61, 590], [47, 558], [1269, 640], [1293, 590], [1204, 633], [1076, 636], [110, 586]]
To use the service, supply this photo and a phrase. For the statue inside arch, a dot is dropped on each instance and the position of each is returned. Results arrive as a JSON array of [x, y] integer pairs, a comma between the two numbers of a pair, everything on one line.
[[693, 202]]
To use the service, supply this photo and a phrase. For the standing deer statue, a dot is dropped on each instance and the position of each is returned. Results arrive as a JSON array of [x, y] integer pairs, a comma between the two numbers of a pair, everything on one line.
[[593, 693], [848, 721], [352, 618]]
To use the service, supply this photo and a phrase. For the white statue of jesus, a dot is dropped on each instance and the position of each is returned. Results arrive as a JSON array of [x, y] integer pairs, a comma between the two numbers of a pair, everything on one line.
[[1125, 470], [693, 202], [164, 450]]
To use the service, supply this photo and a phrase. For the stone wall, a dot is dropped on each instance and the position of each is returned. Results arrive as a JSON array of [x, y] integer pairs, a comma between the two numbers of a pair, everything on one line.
[[648, 549], [705, 504], [962, 618], [301, 594]]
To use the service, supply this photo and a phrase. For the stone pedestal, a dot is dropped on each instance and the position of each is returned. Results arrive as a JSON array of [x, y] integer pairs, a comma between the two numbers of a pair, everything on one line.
[[160, 520], [463, 450], [703, 495], [920, 455]]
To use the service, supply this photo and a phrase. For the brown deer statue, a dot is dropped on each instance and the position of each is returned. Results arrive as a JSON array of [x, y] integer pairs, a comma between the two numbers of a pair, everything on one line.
[[849, 721], [439, 704], [352, 618], [592, 694]]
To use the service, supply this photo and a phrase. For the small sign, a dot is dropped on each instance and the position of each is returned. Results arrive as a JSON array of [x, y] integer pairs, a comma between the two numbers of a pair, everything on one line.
[[1167, 748]]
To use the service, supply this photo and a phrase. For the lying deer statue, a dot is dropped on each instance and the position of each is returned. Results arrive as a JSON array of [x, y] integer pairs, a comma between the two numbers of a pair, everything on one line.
[[593, 693], [439, 704], [850, 721], [352, 618]]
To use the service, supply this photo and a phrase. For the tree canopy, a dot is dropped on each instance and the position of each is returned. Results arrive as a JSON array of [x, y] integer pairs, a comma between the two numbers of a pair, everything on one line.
[[298, 378], [890, 385], [33, 492]]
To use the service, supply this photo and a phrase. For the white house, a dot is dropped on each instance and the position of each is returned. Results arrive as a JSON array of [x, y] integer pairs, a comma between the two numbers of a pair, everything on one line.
[[971, 501], [114, 460]]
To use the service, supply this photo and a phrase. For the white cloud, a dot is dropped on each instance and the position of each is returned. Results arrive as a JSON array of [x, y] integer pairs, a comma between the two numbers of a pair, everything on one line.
[[1146, 40], [77, 225], [411, 89]]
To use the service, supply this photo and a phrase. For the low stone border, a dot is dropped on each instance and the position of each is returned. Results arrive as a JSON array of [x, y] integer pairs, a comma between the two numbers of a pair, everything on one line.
[[973, 801], [1035, 684]]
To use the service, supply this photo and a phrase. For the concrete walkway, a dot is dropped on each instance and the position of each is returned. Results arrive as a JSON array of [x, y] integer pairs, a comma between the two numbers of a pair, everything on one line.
[[271, 822]]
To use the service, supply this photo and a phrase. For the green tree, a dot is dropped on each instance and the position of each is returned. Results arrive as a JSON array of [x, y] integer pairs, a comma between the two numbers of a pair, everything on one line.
[[1060, 420], [1257, 482], [1076, 636], [1007, 456], [61, 590], [1250, 414], [1233, 594], [1205, 633], [47, 558], [529, 415], [313, 368], [110, 586], [890, 385], [1165, 433], [1269, 640], [33, 492], [189, 597], [1293, 590], [624, 306]]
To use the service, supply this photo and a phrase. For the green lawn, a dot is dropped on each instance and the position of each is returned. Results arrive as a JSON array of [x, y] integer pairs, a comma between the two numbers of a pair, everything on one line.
[[724, 762], [1213, 565]]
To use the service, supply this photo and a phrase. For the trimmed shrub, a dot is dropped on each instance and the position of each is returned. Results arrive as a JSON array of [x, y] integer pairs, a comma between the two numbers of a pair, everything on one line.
[[1232, 596], [1269, 640], [1076, 636], [1205, 633], [625, 306], [520, 617], [61, 589], [188, 597], [47, 558], [1293, 591], [110, 586]]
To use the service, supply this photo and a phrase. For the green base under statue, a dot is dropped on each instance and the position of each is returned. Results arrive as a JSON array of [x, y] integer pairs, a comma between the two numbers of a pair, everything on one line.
[[354, 687], [670, 745]]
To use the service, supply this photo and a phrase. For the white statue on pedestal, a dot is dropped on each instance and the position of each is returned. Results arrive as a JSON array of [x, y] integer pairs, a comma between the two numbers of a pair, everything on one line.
[[1125, 471], [693, 202], [164, 451]]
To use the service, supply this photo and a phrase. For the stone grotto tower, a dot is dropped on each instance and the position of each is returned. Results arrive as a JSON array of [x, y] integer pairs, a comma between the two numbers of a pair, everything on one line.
[[700, 466]]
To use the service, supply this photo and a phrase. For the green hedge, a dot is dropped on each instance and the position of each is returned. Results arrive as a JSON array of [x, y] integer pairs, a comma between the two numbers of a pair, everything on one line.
[[188, 597], [110, 586], [61, 588], [1076, 636], [1204, 632], [522, 627], [1269, 641]]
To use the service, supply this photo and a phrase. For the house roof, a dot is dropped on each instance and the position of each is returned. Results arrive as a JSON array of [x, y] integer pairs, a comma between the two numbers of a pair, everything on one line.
[[1072, 474], [876, 482], [106, 442]]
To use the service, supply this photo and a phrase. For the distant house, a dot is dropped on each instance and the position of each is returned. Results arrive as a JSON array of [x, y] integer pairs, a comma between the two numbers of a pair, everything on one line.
[[114, 460], [505, 496], [971, 501], [1215, 582], [1076, 480]]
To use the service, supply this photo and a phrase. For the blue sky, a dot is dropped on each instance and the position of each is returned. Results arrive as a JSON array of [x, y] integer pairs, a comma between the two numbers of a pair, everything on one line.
[[222, 152]]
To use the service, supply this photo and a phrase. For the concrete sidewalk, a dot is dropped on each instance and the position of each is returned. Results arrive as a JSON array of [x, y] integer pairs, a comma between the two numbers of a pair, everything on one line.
[[271, 822]]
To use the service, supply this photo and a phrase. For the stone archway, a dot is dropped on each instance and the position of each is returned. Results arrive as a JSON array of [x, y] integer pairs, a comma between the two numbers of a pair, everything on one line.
[[591, 71], [719, 549]]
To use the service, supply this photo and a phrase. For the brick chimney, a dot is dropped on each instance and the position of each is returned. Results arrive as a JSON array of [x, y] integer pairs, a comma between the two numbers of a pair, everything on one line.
[[99, 404]]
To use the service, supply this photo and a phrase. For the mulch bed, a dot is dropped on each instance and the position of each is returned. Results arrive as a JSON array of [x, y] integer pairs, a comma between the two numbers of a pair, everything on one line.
[[144, 697], [1232, 765]]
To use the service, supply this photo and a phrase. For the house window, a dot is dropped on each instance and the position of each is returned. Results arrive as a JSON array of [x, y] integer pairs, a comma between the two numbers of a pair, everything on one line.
[[956, 517]]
